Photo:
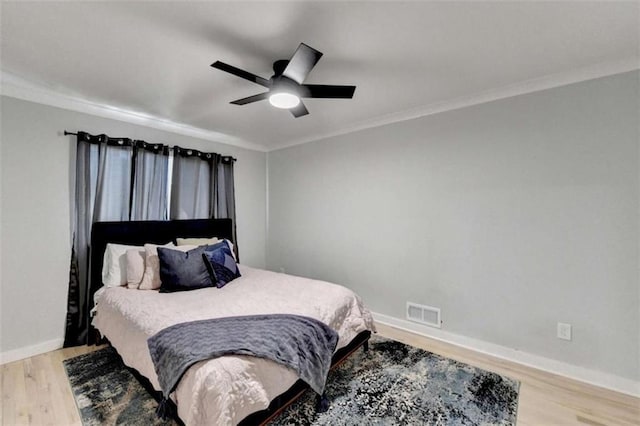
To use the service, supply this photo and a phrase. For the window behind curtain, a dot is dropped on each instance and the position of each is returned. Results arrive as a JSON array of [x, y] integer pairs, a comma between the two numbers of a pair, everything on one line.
[[190, 188], [113, 189], [150, 180]]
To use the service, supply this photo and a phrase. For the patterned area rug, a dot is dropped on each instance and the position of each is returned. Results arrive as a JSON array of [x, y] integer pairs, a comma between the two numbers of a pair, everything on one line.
[[392, 384], [106, 392]]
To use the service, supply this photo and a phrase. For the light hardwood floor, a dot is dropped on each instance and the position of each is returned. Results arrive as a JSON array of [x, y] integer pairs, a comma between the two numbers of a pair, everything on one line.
[[36, 391]]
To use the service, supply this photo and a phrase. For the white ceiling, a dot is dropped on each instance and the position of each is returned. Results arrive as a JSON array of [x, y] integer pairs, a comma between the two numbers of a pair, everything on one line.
[[154, 57]]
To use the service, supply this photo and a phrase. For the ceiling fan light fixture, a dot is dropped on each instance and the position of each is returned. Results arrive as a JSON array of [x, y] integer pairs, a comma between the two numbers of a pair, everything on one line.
[[284, 100]]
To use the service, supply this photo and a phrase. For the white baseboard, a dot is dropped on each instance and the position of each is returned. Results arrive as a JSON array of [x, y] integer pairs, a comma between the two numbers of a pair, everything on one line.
[[593, 377], [29, 351]]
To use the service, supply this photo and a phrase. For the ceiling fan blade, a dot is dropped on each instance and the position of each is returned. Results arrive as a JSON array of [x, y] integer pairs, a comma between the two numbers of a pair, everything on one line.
[[299, 110], [301, 63], [326, 91], [249, 99], [241, 73]]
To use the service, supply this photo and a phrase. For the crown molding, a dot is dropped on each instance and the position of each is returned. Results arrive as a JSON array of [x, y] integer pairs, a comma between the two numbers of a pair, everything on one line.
[[521, 88], [16, 87]]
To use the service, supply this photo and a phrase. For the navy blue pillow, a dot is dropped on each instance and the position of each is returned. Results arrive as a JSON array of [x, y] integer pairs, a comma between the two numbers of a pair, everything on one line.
[[181, 271], [220, 263]]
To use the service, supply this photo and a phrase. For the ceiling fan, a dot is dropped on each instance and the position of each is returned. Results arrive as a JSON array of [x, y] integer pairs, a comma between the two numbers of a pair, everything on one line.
[[285, 85]]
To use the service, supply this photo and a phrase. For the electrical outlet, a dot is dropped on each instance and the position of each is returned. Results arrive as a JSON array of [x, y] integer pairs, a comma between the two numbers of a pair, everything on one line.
[[282, 270], [564, 331]]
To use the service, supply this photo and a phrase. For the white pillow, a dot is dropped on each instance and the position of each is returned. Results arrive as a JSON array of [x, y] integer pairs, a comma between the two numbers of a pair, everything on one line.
[[151, 277], [114, 265], [205, 242], [135, 266], [196, 241]]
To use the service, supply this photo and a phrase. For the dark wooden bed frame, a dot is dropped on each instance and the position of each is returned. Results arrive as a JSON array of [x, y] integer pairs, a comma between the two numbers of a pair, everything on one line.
[[161, 232]]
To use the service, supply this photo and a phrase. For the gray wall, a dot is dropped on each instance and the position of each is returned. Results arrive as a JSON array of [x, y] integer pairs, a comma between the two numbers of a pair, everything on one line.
[[510, 216], [36, 199]]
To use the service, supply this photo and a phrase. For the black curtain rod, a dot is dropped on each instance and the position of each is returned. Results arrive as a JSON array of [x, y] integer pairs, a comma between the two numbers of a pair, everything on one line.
[[66, 133]]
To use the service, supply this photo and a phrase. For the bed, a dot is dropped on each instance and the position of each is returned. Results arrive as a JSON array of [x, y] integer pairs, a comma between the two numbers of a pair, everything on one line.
[[230, 389]]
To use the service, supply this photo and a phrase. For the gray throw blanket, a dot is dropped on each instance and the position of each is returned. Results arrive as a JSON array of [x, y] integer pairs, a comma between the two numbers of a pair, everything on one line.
[[304, 344]]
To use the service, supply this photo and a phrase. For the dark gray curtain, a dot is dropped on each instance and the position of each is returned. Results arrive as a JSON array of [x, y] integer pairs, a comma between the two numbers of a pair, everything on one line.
[[224, 196], [103, 181], [202, 186]]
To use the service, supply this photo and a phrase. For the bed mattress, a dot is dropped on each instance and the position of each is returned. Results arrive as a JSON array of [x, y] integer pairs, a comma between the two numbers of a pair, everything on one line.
[[227, 389]]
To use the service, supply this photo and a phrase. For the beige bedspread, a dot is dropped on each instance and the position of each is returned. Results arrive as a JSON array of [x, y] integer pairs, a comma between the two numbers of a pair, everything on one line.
[[225, 390]]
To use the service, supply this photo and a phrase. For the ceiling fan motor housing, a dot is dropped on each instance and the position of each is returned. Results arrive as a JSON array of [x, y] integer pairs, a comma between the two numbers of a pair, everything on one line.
[[281, 84], [279, 67]]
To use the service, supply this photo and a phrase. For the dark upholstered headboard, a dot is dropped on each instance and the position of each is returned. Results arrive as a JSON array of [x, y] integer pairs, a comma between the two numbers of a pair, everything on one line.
[[139, 232]]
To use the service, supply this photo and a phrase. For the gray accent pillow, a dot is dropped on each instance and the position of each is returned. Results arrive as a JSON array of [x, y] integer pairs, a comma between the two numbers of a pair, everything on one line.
[[181, 271]]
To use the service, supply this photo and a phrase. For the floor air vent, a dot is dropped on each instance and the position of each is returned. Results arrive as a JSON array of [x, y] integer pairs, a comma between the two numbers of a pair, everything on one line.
[[423, 314]]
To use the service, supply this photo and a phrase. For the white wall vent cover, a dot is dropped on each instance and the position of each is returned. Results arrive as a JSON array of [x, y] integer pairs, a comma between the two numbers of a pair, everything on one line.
[[423, 314]]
